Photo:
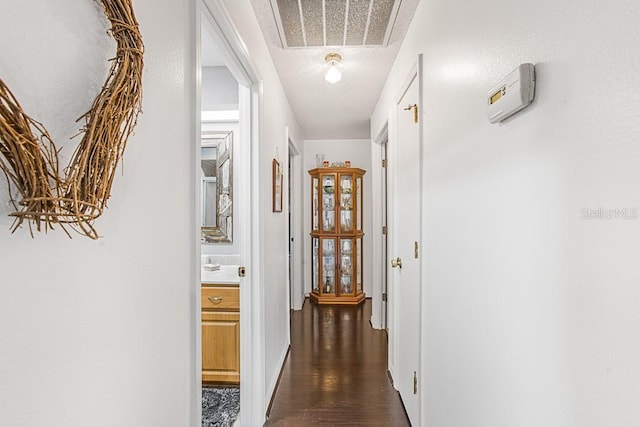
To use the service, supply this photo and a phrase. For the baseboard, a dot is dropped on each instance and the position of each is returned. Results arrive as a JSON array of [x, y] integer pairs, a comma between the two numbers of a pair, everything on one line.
[[392, 376], [275, 381]]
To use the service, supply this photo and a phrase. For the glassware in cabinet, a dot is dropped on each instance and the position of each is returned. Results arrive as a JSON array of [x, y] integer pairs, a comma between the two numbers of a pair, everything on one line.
[[346, 266], [315, 208], [315, 266], [358, 256], [346, 202], [328, 266], [359, 203], [328, 203]]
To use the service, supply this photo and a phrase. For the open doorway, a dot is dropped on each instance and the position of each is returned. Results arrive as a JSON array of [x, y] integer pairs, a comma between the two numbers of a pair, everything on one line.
[[225, 150], [221, 233], [296, 290]]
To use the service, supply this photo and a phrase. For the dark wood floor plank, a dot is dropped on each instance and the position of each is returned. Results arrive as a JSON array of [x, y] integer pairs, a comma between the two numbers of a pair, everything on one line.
[[336, 372]]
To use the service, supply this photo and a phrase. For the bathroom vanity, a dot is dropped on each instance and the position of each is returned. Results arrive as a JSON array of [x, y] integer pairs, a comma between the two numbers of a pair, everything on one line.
[[221, 326]]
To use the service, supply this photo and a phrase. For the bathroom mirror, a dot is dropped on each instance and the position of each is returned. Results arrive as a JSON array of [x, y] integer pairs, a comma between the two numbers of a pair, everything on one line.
[[216, 164]]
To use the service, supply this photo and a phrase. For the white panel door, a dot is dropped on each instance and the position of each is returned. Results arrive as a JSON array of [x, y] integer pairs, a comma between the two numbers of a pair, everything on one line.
[[406, 237]]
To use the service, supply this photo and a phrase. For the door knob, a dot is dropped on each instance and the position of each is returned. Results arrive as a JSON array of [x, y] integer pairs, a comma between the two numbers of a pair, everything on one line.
[[397, 262]]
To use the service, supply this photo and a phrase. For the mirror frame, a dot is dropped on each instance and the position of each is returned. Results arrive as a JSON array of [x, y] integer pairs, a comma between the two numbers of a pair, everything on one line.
[[223, 231]]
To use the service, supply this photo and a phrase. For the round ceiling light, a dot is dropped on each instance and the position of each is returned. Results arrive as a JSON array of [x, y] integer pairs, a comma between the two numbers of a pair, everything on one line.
[[333, 66]]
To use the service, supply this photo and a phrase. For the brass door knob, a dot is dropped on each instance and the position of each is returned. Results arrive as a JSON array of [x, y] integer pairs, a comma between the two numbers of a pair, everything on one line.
[[397, 262]]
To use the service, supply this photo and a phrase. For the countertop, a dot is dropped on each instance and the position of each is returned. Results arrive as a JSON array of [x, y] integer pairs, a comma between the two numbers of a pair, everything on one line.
[[227, 275]]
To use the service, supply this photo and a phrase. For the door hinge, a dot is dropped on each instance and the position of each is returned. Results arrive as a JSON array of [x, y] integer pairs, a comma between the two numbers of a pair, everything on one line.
[[415, 250], [415, 383], [384, 296], [384, 163], [242, 271], [385, 230]]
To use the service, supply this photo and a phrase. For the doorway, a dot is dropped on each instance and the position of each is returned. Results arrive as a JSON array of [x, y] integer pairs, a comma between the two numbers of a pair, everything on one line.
[[294, 192], [240, 243]]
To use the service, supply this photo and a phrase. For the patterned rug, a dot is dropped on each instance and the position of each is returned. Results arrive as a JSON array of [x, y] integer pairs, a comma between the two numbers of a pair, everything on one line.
[[220, 406]]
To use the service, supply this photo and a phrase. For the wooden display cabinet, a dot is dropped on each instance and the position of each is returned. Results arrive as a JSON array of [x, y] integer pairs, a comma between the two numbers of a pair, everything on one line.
[[336, 235]]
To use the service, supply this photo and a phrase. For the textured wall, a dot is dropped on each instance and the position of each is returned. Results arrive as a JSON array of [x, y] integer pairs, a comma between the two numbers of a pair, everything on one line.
[[100, 332], [531, 313]]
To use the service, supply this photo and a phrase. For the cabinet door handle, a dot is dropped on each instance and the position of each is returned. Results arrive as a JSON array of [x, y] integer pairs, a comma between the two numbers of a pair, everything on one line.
[[215, 300]]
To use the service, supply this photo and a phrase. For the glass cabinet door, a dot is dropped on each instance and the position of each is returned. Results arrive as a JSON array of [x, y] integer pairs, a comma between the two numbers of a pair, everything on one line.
[[315, 207], [315, 273], [358, 257], [328, 203], [328, 266], [359, 201], [346, 266], [346, 202]]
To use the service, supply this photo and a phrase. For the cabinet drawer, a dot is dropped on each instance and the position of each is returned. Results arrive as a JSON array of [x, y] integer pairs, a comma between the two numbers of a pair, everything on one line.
[[220, 298]]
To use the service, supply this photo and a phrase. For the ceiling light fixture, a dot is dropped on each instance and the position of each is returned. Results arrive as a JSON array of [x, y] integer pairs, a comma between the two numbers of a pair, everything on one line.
[[333, 67]]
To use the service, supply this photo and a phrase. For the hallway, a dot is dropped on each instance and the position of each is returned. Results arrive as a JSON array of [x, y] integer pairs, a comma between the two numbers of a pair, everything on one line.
[[336, 372]]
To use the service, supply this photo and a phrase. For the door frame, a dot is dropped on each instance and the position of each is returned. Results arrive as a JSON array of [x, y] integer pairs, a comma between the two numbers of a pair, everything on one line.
[[394, 308], [213, 15], [377, 288], [296, 289]]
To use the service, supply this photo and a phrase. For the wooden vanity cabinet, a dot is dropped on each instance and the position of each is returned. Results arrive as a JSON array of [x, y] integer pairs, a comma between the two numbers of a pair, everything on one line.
[[220, 334]]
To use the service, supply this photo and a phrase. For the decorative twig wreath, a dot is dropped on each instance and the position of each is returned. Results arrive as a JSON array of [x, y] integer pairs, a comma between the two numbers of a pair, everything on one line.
[[29, 158]]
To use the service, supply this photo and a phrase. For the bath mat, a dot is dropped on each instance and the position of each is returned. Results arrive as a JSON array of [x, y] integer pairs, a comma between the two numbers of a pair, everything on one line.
[[220, 406]]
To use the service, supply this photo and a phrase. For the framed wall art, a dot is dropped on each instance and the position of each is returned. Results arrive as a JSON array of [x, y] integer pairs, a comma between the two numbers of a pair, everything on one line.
[[277, 186]]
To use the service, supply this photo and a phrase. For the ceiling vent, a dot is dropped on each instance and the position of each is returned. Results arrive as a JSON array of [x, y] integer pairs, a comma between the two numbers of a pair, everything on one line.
[[316, 23]]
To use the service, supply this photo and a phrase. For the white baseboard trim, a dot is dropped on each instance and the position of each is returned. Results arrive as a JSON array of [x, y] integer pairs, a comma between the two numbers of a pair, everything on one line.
[[271, 389]]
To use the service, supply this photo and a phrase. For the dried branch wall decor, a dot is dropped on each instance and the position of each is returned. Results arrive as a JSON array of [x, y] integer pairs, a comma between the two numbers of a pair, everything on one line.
[[76, 196]]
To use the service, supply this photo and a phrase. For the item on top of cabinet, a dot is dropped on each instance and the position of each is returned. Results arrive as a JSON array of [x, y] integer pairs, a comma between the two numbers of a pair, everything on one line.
[[319, 160], [347, 163], [337, 164], [325, 164]]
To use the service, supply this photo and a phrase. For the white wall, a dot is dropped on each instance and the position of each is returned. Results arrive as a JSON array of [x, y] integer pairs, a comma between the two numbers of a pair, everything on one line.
[[531, 313], [100, 332], [275, 117], [358, 151], [219, 89]]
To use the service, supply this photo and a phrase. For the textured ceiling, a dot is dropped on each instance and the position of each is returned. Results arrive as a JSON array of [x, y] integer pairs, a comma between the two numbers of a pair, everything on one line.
[[311, 23], [340, 110]]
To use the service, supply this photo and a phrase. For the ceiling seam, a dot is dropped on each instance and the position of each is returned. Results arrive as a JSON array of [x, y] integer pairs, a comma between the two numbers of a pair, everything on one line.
[[304, 31], [346, 23], [366, 28], [324, 22]]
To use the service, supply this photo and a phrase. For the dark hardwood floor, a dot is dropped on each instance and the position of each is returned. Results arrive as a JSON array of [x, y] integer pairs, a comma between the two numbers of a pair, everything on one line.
[[336, 372]]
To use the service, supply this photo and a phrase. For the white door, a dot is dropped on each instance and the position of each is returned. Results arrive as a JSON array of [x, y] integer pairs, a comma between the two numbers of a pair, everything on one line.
[[385, 241], [405, 250]]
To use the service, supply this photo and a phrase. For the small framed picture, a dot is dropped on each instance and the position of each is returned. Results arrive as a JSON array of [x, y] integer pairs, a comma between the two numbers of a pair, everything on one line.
[[277, 186]]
